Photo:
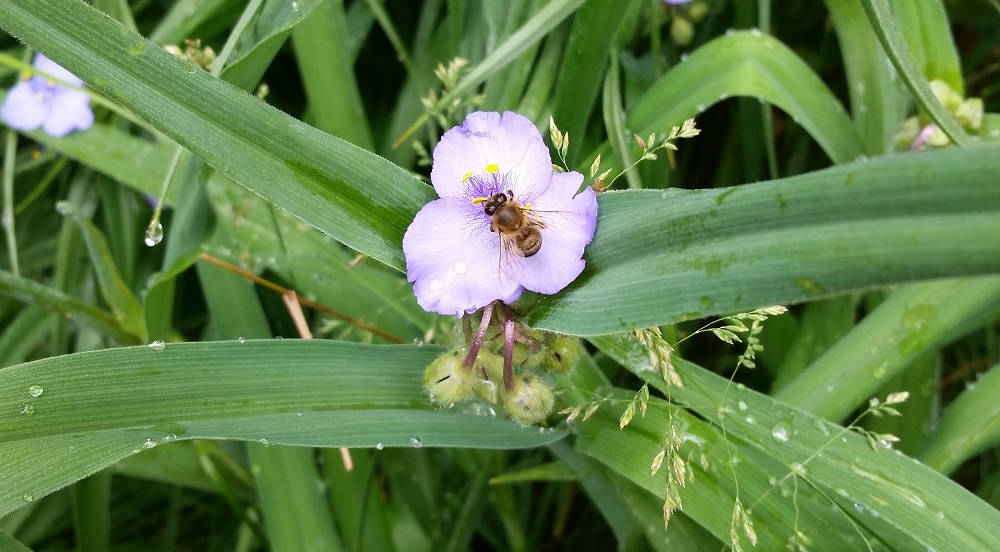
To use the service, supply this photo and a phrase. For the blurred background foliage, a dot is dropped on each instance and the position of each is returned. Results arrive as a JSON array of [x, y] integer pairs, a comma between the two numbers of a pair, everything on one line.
[[149, 404]]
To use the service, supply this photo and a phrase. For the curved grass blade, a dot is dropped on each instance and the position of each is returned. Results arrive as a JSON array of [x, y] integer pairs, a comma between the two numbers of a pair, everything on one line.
[[126, 308], [65, 305], [660, 257], [747, 64], [881, 19]]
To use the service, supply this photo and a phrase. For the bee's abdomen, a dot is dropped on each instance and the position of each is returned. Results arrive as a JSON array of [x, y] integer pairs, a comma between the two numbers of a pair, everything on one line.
[[529, 240]]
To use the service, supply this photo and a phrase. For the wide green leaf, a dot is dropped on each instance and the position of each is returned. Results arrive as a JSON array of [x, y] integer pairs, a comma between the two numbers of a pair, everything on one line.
[[663, 256], [884, 491], [85, 411]]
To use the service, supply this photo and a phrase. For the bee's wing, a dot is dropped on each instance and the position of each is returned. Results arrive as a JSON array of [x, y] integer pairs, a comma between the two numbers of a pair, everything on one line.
[[511, 260]]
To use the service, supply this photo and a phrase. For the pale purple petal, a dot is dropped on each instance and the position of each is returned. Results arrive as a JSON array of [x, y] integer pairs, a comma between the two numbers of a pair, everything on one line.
[[24, 109], [569, 226], [676, 2], [511, 142], [70, 111], [453, 259], [52, 69]]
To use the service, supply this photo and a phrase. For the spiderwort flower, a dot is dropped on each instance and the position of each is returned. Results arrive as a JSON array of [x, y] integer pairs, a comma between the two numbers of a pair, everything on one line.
[[40, 102], [455, 259]]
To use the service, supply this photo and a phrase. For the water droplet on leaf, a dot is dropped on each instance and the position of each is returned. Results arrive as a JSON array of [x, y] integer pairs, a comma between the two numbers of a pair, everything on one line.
[[416, 442], [35, 391], [157, 345], [154, 233], [28, 410], [780, 432]]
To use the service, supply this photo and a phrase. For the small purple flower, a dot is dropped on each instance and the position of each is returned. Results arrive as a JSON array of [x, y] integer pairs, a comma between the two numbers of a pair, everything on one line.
[[460, 258], [40, 102]]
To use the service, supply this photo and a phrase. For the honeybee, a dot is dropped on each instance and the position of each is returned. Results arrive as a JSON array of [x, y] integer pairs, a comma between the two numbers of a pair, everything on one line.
[[518, 228]]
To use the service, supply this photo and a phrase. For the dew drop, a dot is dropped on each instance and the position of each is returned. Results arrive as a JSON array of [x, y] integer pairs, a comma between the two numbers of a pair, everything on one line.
[[684, 57], [27, 497], [701, 108], [157, 345], [751, 420], [780, 432], [241, 340], [28, 410], [435, 285], [149, 444], [35, 391], [154, 233], [416, 442], [755, 31], [730, 32], [461, 267], [418, 342], [64, 208], [741, 405], [379, 446]]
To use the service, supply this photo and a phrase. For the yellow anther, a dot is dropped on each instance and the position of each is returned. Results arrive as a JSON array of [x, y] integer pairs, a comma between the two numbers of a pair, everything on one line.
[[527, 206], [26, 75], [478, 200], [50, 82], [467, 176], [492, 168]]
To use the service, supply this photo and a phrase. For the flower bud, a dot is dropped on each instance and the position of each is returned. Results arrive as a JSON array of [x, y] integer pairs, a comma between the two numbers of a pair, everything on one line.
[[682, 31], [446, 381], [530, 401], [488, 376], [562, 352]]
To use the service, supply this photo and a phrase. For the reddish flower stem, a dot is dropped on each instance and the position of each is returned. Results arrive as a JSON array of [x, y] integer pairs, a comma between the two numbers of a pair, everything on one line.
[[477, 341]]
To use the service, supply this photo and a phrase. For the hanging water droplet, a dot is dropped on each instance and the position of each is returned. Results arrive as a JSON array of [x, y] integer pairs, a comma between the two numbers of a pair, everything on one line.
[[28, 410], [416, 442], [157, 345], [154, 233], [780, 432], [379, 446], [35, 391]]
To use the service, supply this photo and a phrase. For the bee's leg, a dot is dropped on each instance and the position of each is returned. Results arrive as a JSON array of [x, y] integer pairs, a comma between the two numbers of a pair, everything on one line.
[[508, 350], [477, 341]]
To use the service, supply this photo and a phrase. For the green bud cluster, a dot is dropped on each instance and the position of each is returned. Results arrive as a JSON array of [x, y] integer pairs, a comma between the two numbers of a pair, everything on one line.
[[530, 399], [967, 111]]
